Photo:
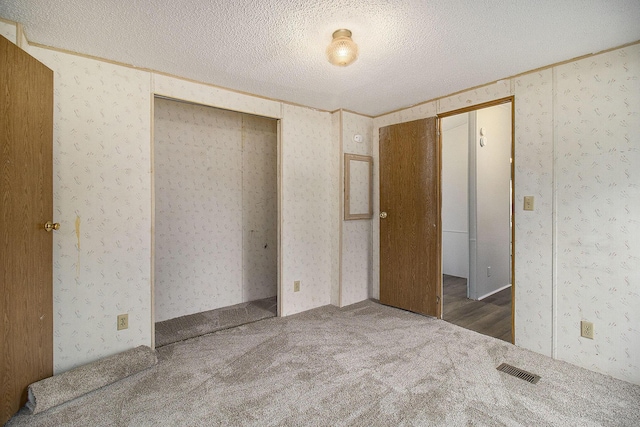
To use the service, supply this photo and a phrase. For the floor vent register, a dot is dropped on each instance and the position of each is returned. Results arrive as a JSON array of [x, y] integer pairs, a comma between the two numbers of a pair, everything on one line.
[[518, 373]]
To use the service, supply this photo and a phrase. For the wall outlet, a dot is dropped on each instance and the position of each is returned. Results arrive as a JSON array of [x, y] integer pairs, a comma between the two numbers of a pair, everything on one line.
[[488, 271], [296, 286], [123, 321], [586, 329], [528, 203]]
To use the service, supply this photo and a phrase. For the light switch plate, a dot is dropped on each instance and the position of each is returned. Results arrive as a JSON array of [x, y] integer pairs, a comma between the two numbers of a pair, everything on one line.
[[528, 203]]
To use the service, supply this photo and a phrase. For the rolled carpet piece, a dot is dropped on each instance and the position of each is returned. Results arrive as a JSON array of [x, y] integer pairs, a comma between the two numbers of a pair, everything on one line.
[[58, 389]]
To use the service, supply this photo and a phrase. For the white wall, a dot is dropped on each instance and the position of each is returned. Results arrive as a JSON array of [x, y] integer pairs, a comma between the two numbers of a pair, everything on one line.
[[493, 205], [215, 208], [309, 204], [455, 195], [102, 200], [596, 108], [533, 244], [356, 234], [336, 171], [259, 207], [577, 122], [102, 160]]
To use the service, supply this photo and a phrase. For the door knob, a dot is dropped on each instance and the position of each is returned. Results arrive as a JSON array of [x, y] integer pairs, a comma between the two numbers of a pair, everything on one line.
[[383, 215], [50, 226]]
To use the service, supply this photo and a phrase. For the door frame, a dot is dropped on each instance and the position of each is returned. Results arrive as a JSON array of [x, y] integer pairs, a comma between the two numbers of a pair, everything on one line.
[[476, 107], [279, 290]]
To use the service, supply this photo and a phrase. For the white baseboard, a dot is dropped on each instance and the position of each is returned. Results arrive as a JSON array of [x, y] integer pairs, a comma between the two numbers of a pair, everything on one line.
[[494, 292]]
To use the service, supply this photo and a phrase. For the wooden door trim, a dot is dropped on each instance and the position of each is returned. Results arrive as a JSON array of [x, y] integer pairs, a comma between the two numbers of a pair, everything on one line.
[[476, 107]]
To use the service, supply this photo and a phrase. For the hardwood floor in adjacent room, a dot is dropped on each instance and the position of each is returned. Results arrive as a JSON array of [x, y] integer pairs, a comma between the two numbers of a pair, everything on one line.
[[491, 316]]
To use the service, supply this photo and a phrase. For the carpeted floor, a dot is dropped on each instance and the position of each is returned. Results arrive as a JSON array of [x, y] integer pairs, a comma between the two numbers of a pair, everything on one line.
[[194, 325], [362, 365]]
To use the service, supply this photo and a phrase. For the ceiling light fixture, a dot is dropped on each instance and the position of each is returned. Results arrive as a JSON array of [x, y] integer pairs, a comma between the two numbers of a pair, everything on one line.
[[342, 51]]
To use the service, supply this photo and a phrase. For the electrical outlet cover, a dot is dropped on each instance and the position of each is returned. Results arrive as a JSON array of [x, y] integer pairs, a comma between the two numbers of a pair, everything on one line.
[[123, 321], [586, 329]]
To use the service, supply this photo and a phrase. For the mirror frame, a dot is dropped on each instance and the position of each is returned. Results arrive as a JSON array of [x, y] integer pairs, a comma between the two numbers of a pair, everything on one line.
[[348, 214]]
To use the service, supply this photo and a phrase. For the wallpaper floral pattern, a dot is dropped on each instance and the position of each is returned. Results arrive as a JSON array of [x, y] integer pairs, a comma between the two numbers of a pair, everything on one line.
[[598, 211], [260, 207], [213, 96], [577, 128], [216, 211], [309, 203], [336, 223], [490, 92], [533, 229], [102, 153], [101, 191], [356, 235]]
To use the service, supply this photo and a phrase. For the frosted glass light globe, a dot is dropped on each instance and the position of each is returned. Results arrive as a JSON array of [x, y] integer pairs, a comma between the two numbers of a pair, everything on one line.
[[342, 51]]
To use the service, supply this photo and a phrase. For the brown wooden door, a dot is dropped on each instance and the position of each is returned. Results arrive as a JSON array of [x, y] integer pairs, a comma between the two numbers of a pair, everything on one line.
[[410, 237], [26, 135]]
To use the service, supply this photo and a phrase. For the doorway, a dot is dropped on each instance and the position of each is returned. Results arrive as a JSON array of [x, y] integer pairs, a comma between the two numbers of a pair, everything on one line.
[[215, 219], [477, 218]]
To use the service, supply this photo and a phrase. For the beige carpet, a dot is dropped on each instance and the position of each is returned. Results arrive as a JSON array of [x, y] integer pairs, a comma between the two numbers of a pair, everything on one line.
[[194, 325], [363, 365], [59, 389]]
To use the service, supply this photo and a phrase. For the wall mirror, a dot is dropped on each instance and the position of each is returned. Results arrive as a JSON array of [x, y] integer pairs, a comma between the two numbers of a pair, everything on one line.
[[358, 203]]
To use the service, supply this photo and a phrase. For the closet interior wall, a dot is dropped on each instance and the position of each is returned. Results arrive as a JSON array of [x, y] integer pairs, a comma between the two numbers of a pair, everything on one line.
[[215, 179]]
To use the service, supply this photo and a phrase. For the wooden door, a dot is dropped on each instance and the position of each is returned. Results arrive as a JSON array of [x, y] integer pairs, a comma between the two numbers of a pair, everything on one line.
[[26, 135], [410, 236]]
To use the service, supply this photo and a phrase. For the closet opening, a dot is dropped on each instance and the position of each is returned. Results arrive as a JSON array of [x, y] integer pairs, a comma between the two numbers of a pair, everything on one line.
[[215, 219]]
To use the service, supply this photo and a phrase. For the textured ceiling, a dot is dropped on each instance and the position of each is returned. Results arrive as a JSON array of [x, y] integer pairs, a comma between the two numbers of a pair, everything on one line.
[[410, 51]]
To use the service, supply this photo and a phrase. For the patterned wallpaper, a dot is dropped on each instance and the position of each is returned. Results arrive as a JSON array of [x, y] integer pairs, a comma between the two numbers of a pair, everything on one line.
[[216, 208], [490, 92], [102, 159], [214, 96], [336, 172], [597, 105], [260, 207], [101, 190], [309, 206], [356, 235], [580, 122], [102, 154], [533, 229]]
